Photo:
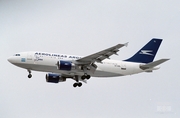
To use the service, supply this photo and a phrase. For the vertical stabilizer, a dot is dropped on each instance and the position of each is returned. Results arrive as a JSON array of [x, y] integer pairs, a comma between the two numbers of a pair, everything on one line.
[[147, 53]]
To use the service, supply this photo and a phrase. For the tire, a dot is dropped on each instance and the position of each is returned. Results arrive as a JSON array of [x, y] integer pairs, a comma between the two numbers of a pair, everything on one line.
[[29, 76], [75, 85], [79, 84], [88, 76], [83, 77]]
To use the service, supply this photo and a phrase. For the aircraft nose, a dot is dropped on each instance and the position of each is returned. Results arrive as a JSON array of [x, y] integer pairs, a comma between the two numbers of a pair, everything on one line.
[[10, 59]]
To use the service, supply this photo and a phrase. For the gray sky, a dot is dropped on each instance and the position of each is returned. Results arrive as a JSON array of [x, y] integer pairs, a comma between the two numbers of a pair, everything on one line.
[[81, 27]]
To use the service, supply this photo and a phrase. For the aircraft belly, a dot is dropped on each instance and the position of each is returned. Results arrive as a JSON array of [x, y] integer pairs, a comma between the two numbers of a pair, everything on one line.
[[53, 69], [105, 74]]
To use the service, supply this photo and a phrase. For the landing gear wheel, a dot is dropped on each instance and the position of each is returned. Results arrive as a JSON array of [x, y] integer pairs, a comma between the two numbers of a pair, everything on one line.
[[77, 84], [83, 77], [88, 76], [29, 76]]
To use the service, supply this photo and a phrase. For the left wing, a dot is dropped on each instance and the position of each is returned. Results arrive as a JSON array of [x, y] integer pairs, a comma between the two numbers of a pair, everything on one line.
[[99, 56]]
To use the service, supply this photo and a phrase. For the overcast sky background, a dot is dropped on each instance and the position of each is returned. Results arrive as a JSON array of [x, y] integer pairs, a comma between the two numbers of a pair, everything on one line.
[[83, 27]]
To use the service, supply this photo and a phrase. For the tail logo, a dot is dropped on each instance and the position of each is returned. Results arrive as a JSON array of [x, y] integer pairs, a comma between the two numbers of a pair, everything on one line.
[[146, 52]]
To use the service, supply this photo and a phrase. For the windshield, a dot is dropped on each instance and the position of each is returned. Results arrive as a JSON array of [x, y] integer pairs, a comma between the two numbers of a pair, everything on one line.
[[17, 55]]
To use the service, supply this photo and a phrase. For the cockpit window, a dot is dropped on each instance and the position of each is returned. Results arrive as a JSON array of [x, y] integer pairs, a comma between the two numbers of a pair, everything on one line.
[[17, 55]]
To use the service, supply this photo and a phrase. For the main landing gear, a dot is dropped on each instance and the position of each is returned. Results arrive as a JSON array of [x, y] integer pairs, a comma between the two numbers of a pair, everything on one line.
[[79, 84], [77, 78], [30, 75]]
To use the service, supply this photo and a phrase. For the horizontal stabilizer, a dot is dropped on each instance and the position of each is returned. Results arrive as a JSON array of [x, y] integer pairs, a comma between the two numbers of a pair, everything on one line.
[[153, 64]]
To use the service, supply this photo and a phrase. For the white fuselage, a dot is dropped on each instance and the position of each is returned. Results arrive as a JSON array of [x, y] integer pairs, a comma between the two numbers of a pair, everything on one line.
[[47, 62]]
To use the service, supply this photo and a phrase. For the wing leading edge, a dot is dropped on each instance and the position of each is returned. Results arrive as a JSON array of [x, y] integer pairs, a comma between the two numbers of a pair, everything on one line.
[[100, 56]]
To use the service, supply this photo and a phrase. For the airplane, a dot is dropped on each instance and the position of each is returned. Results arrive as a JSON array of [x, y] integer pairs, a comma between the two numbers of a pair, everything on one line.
[[60, 67]]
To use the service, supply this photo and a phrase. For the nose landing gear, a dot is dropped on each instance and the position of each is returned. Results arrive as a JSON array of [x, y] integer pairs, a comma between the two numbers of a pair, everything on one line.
[[30, 75]]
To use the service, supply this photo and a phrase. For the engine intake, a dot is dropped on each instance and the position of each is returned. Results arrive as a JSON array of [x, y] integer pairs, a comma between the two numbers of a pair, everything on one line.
[[54, 78], [65, 65]]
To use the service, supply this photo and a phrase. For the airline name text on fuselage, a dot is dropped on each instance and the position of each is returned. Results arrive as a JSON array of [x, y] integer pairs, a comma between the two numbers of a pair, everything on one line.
[[57, 55]]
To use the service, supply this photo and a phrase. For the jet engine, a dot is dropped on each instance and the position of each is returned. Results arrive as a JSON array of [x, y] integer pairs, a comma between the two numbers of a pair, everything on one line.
[[65, 65], [54, 78]]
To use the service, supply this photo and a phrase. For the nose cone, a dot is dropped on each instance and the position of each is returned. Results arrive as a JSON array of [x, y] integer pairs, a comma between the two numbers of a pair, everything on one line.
[[11, 60]]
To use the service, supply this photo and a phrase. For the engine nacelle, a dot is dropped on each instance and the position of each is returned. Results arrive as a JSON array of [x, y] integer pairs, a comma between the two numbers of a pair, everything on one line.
[[65, 65], [54, 78]]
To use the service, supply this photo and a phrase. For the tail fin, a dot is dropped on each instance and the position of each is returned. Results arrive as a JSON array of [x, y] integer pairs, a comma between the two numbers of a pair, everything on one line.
[[147, 53]]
